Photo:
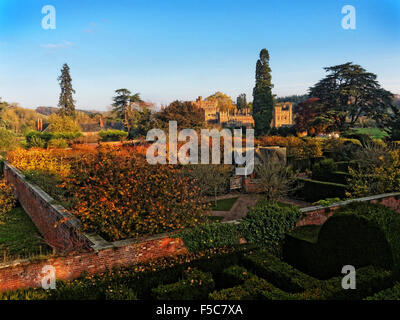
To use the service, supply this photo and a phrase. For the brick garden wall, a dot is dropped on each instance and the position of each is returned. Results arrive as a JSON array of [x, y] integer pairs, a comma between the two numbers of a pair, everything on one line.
[[27, 274], [55, 223], [100, 254], [91, 253], [318, 214]]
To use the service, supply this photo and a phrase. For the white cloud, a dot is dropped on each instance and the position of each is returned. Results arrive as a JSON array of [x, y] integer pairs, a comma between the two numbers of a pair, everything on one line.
[[62, 45]]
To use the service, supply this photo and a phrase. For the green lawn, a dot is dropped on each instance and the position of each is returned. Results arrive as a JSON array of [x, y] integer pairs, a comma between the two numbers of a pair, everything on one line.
[[19, 237], [223, 204], [374, 133]]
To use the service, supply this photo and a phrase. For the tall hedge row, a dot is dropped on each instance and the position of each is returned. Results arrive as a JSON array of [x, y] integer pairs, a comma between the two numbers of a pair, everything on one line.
[[358, 234]]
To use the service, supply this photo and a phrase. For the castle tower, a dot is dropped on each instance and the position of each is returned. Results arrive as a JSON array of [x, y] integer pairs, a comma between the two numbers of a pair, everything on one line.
[[283, 115]]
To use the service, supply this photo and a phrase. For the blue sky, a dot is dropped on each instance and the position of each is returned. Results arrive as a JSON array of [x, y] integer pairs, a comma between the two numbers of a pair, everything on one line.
[[174, 49]]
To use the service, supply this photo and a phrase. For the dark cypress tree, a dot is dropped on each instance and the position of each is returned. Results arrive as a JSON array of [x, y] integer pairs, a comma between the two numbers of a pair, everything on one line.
[[241, 101], [263, 101], [66, 102]]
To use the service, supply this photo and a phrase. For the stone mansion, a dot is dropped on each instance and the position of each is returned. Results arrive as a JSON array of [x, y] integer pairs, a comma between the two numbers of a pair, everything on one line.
[[282, 115]]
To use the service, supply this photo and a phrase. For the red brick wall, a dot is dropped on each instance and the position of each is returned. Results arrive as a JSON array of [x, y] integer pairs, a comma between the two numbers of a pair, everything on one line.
[[28, 274], [252, 186], [94, 253], [319, 215], [45, 215]]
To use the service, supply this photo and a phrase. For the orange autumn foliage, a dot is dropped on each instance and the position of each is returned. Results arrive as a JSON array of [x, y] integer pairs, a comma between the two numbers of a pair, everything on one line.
[[116, 193]]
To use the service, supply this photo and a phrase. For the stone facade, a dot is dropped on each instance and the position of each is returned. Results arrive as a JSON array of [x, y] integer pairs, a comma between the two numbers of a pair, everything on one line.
[[282, 115], [237, 118], [209, 109]]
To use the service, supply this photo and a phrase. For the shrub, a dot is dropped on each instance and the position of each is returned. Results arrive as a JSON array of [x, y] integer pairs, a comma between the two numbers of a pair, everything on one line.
[[120, 292], [115, 192], [113, 135], [268, 222], [278, 272], [369, 279], [387, 294], [7, 198], [252, 289], [234, 275], [58, 123], [276, 179], [54, 161], [210, 235], [324, 169], [67, 135], [378, 172], [195, 285], [313, 190], [36, 139], [119, 195], [326, 202], [234, 293], [358, 234], [341, 149], [8, 140], [58, 143], [296, 147], [343, 166], [36, 142], [140, 279]]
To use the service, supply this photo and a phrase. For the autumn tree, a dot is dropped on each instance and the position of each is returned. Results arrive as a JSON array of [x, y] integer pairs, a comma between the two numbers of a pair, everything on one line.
[[66, 101], [308, 117], [224, 102], [348, 92], [59, 123], [263, 101], [184, 112]]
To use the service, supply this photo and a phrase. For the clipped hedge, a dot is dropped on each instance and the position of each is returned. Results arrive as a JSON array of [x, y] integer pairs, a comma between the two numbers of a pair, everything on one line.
[[210, 235], [313, 190], [392, 293], [323, 170], [369, 279], [254, 288], [343, 166], [44, 139], [268, 222], [195, 285], [358, 234], [140, 279], [234, 275], [113, 135], [278, 272]]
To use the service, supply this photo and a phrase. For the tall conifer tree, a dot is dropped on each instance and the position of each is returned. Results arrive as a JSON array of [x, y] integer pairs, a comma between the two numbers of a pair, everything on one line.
[[263, 101], [66, 102]]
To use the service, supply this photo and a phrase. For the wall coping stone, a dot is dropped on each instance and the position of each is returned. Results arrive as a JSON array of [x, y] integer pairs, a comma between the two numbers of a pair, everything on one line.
[[343, 203]]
